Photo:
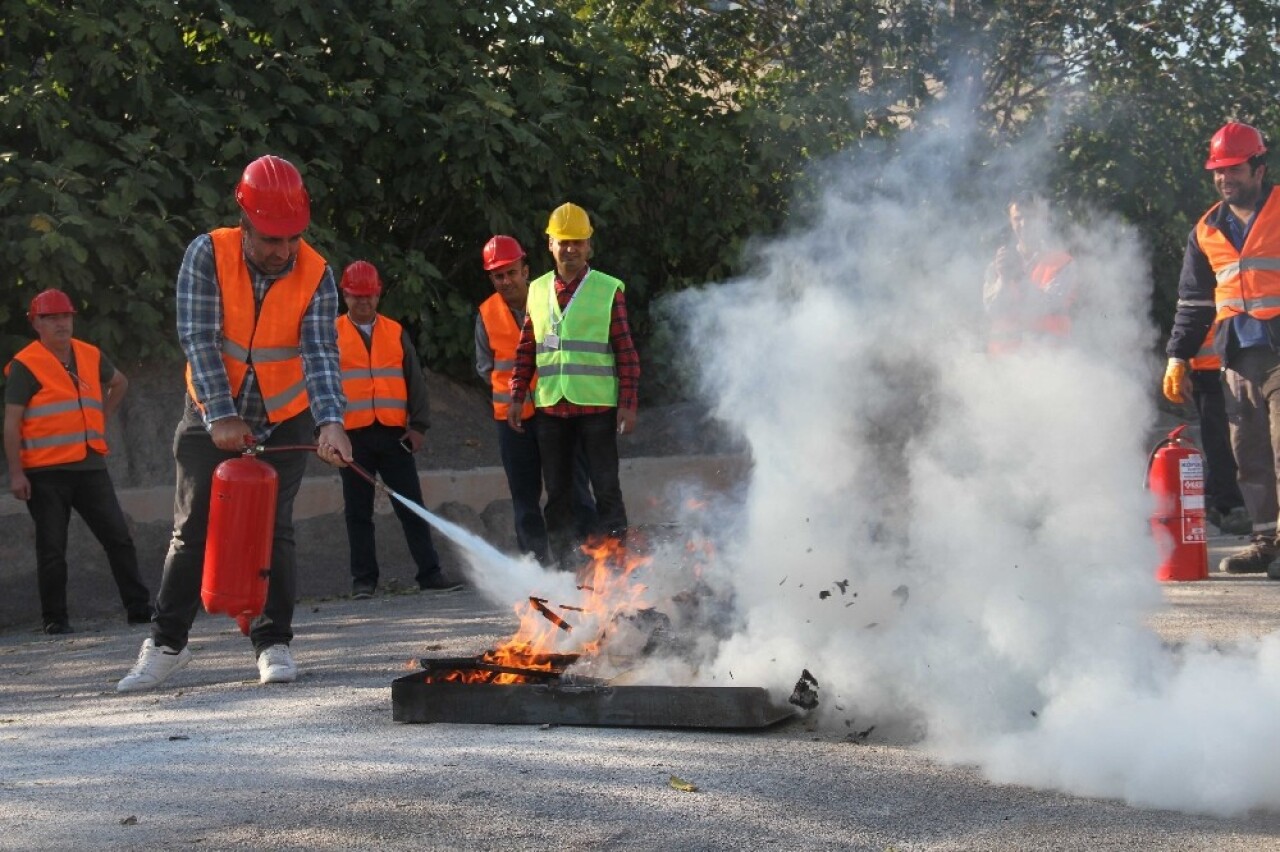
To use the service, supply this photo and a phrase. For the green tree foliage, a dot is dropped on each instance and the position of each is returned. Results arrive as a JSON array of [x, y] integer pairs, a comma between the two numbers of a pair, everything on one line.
[[686, 128]]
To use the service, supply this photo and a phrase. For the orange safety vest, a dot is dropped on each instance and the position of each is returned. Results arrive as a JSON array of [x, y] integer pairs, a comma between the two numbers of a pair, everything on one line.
[[271, 340], [1248, 280], [65, 418], [1008, 327], [1206, 358], [504, 336], [373, 377]]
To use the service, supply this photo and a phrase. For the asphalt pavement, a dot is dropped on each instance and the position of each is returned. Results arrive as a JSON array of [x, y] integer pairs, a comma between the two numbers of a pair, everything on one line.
[[214, 760]]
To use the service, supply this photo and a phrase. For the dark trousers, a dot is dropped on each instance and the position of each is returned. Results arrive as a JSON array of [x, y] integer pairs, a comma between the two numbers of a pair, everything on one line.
[[1221, 491], [559, 441], [377, 449], [196, 457], [522, 462], [1253, 409], [54, 493]]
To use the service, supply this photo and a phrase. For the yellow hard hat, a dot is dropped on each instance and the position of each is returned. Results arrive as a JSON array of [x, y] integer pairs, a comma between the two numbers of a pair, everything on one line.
[[569, 222]]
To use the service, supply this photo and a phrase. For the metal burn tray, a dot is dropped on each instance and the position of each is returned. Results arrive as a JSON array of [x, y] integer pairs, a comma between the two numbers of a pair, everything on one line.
[[415, 699]]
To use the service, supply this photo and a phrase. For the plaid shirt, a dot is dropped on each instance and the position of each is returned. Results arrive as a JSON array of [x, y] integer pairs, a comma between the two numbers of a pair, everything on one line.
[[199, 303], [626, 360]]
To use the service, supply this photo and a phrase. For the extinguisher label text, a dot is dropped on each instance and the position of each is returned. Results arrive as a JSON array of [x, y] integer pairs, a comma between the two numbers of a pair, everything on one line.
[[1191, 474]]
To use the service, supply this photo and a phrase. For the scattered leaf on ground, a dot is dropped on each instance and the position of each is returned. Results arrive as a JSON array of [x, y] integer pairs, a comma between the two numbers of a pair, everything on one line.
[[678, 783]]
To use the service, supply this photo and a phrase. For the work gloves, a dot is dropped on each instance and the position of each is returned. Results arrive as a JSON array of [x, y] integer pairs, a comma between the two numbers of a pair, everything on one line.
[[1175, 377]]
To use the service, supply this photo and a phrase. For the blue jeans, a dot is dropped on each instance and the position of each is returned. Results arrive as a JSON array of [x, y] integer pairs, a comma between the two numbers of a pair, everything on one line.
[[54, 493], [377, 449]]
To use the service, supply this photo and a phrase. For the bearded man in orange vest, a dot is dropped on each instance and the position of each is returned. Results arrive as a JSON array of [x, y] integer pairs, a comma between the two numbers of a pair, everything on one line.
[[256, 308], [57, 398], [1229, 292], [498, 327], [386, 418]]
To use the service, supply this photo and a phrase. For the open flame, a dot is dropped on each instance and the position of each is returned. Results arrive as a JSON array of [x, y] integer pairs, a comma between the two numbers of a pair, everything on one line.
[[556, 634]]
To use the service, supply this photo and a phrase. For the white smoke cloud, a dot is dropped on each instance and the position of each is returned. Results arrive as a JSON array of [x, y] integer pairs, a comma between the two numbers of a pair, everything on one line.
[[978, 523]]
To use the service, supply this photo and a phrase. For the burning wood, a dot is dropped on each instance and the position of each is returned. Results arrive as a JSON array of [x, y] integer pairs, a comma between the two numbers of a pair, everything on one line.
[[540, 604], [531, 668]]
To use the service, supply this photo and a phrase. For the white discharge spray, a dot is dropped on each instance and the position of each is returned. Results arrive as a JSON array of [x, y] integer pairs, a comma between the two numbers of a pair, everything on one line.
[[498, 577], [955, 543]]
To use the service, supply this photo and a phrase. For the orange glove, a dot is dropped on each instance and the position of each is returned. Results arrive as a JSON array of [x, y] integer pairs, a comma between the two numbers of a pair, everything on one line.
[[1175, 377]]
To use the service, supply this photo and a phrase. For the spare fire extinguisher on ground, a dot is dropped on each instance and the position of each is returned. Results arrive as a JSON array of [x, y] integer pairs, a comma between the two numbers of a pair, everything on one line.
[[237, 553], [1175, 477]]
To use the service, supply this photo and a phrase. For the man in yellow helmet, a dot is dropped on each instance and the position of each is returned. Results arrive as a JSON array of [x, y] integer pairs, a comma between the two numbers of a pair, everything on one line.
[[577, 337]]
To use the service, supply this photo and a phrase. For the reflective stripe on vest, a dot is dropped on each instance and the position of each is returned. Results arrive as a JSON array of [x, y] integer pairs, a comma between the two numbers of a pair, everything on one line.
[[1029, 312], [373, 376], [580, 368], [64, 418], [1206, 358], [272, 340], [504, 336], [1248, 280]]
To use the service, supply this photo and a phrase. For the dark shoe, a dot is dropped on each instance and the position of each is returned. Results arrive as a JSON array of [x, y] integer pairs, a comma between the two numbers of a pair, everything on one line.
[[1234, 521], [140, 617], [1273, 571], [437, 583], [361, 593], [1254, 559], [58, 628]]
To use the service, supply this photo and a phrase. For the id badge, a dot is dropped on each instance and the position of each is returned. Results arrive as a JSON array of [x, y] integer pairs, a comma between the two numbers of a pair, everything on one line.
[[551, 341]]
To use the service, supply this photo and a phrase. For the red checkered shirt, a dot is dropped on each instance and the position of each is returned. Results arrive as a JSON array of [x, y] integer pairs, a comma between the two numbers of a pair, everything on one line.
[[626, 360]]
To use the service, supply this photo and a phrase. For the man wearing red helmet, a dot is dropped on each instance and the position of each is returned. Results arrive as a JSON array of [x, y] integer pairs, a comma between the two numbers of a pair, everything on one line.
[[386, 418], [57, 398], [1229, 293], [498, 327], [256, 307]]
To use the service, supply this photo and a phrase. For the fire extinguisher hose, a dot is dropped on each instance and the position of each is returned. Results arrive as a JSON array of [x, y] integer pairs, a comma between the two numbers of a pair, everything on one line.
[[259, 449]]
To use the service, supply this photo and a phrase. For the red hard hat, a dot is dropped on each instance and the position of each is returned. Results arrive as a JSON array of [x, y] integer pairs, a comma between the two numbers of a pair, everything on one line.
[[273, 198], [360, 278], [500, 251], [51, 301], [1233, 144]]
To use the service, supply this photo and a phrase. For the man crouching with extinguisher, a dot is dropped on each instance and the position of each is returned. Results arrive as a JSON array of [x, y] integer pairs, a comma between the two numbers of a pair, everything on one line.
[[256, 308]]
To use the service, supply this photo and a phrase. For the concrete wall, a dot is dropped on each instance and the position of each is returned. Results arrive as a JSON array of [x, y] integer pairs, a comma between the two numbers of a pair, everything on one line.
[[477, 500]]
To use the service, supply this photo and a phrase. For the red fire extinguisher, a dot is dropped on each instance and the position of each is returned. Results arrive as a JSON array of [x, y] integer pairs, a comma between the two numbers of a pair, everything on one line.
[[237, 552], [1175, 476]]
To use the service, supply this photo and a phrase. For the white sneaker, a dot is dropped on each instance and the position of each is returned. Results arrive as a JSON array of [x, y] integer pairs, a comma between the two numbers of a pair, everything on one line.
[[275, 665], [155, 664]]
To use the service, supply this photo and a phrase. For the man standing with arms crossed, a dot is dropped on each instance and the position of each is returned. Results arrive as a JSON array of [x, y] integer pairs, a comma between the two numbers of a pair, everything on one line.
[[256, 309], [577, 337], [58, 397], [1230, 287]]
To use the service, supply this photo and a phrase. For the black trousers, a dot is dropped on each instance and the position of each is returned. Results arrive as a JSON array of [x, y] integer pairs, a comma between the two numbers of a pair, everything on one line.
[[377, 449], [54, 493], [179, 598], [522, 463], [1221, 491], [559, 440]]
